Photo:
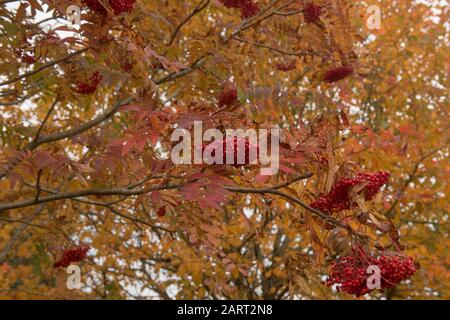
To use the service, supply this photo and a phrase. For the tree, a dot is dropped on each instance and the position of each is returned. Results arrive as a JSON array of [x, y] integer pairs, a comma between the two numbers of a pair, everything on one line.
[[87, 115]]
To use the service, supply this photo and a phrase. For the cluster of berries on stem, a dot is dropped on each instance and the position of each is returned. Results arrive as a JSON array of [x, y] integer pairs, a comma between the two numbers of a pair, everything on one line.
[[228, 97], [337, 74], [312, 13], [118, 6], [338, 198], [350, 273], [90, 86], [72, 255], [248, 7]]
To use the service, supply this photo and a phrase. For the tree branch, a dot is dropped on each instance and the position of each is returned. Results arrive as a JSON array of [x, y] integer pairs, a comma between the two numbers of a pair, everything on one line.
[[43, 67], [130, 192], [12, 103], [198, 63], [69, 133], [391, 213], [46, 118], [293, 199], [183, 72], [25, 223], [75, 131], [84, 193], [289, 53], [197, 9]]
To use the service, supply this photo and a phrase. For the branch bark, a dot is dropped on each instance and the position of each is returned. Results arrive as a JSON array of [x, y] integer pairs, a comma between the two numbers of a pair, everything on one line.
[[131, 192], [75, 131], [391, 211], [197, 9], [84, 193], [37, 141], [43, 67]]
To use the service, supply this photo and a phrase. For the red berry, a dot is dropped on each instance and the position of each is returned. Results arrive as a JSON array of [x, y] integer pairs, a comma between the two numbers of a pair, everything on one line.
[[161, 212]]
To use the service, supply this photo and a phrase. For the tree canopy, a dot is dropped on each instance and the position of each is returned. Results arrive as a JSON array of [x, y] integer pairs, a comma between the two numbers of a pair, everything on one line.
[[87, 113]]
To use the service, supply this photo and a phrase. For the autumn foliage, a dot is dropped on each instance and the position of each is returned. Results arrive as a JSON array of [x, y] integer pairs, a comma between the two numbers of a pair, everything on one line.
[[87, 178]]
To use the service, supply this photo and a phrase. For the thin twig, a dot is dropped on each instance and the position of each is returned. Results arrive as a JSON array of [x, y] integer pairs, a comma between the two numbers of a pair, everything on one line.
[[130, 192], [270, 190], [12, 103], [25, 223], [46, 118], [197, 9], [391, 213], [69, 133], [280, 51], [38, 186], [45, 66], [84, 193], [75, 131], [291, 13], [8, 1], [175, 75]]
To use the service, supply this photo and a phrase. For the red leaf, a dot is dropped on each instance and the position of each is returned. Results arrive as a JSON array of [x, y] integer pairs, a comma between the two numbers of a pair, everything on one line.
[[153, 138]]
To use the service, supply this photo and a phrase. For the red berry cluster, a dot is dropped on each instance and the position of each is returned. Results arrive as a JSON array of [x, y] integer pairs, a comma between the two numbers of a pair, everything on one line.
[[231, 144], [248, 7], [118, 6], [338, 198], [228, 97], [336, 74], [349, 273], [91, 86], [122, 6], [71, 255], [312, 13], [395, 269], [375, 182]]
